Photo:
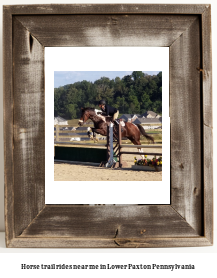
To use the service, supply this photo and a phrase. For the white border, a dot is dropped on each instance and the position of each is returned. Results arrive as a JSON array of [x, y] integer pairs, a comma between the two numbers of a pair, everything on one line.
[[105, 59]]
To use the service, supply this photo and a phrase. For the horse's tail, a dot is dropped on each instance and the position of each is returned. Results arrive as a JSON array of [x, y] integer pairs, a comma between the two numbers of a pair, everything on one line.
[[142, 131]]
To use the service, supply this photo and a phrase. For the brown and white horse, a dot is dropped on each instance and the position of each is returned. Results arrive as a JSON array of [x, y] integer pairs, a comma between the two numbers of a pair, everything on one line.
[[130, 130]]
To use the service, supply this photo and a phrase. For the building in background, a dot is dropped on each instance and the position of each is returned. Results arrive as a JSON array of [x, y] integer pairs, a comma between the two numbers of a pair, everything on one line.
[[149, 123], [60, 121], [150, 114]]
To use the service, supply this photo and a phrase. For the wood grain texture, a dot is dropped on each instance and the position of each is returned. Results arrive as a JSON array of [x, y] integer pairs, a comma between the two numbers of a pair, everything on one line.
[[8, 125], [185, 116], [106, 9], [186, 29], [207, 67], [107, 30], [109, 222], [29, 140], [34, 242], [207, 122], [208, 183]]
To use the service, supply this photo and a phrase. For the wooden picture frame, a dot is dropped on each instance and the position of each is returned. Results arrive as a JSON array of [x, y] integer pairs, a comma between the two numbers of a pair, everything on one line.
[[186, 30]]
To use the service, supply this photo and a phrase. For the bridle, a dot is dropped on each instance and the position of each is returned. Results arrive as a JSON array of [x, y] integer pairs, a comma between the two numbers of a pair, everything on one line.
[[83, 121]]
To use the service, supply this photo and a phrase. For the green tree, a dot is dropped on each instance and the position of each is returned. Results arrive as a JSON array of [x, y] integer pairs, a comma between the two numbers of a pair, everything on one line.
[[71, 112], [135, 93], [137, 75]]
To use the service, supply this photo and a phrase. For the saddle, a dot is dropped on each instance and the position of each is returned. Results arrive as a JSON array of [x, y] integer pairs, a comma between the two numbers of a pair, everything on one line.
[[119, 122]]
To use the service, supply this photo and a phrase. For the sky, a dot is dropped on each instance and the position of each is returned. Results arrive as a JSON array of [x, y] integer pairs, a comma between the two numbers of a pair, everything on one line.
[[62, 78]]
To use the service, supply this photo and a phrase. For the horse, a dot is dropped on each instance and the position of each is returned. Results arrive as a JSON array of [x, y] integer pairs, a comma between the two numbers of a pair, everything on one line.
[[130, 130]]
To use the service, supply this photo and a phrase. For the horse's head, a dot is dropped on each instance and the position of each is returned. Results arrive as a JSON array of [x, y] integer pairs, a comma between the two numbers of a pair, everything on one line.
[[85, 115]]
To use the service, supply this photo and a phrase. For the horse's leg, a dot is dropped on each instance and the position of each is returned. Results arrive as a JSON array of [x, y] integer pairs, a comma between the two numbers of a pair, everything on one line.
[[92, 134], [137, 142], [98, 131], [132, 132], [93, 137], [141, 153], [89, 133]]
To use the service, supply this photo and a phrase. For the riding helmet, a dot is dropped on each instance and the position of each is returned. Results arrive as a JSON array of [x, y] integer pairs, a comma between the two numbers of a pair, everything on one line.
[[102, 102]]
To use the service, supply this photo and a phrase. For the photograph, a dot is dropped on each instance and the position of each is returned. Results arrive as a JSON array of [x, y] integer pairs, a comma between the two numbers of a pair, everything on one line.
[[108, 125], [107, 133]]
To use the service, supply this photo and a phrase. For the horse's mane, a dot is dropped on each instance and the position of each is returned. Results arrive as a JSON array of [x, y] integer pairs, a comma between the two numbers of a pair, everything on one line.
[[89, 108]]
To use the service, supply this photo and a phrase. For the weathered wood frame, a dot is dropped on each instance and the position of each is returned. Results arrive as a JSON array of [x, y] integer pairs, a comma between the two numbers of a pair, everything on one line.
[[186, 29]]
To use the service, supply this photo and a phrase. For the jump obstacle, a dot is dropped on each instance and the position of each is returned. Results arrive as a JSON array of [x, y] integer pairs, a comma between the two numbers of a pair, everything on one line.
[[114, 148], [77, 152], [108, 155]]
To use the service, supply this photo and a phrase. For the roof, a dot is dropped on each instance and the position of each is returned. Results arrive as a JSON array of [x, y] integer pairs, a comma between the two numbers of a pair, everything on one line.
[[60, 119], [126, 116], [129, 116], [153, 114], [148, 121]]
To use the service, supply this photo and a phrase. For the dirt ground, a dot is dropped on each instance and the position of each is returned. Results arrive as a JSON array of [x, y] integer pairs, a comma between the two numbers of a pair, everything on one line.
[[75, 172]]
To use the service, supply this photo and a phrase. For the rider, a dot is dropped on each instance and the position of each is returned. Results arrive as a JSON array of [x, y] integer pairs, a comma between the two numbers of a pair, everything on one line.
[[108, 110]]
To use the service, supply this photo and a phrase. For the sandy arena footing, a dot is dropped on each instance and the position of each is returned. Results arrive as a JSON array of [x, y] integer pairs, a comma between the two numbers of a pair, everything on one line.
[[71, 172]]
